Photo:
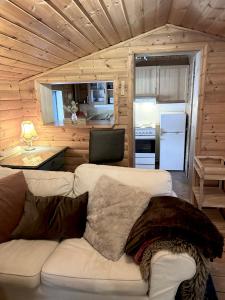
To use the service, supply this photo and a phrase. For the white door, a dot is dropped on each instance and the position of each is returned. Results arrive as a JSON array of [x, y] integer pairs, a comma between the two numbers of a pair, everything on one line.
[[172, 151], [145, 81], [172, 122]]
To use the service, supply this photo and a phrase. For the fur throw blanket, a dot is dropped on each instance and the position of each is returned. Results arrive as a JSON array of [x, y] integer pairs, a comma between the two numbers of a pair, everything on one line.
[[169, 218], [193, 289]]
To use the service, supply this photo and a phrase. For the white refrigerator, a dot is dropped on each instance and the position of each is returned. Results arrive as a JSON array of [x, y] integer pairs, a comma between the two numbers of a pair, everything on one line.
[[172, 141]]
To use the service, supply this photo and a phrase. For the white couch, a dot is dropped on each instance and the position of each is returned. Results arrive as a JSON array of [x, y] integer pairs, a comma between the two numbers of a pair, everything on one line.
[[72, 269]]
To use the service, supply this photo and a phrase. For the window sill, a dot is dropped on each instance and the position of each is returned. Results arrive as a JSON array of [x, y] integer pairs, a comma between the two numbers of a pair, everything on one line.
[[88, 124]]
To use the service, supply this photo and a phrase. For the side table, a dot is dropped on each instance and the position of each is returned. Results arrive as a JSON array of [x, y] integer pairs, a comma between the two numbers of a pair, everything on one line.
[[209, 168], [41, 158]]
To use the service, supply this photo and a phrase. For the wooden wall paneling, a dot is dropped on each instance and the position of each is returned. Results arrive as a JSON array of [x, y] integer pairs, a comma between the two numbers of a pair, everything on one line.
[[8, 105], [70, 135], [115, 63], [19, 64], [11, 74], [25, 72], [10, 114], [8, 52], [204, 53]]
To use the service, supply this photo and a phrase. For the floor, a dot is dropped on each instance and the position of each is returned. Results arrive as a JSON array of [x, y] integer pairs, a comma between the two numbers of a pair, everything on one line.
[[180, 185], [217, 216]]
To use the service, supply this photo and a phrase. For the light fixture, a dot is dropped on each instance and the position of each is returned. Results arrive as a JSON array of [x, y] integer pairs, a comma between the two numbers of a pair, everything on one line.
[[28, 133]]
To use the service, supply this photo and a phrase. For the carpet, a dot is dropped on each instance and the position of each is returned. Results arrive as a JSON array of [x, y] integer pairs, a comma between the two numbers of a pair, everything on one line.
[[210, 292]]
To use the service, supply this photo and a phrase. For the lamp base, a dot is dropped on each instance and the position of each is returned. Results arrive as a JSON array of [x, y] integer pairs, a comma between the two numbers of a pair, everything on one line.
[[29, 148]]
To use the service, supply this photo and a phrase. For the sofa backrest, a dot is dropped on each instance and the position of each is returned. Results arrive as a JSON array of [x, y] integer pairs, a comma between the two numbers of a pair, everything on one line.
[[45, 183], [156, 182]]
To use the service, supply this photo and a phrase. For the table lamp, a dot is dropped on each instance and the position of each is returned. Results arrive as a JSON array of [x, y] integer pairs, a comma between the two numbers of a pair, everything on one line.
[[28, 134]]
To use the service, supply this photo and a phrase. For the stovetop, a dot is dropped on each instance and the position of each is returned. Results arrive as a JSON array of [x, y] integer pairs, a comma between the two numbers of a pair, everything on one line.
[[144, 131]]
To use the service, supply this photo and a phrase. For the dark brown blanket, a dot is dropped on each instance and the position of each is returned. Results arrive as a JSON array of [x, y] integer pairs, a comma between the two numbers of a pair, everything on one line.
[[169, 217]]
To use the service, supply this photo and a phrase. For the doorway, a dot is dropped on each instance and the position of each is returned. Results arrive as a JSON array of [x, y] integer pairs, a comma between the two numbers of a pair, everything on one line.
[[165, 110]]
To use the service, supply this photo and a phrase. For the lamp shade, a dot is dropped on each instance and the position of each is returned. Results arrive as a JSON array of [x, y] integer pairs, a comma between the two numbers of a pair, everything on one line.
[[28, 130]]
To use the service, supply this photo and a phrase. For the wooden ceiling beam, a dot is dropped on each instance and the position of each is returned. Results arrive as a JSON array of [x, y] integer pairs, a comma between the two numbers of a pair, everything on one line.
[[23, 35], [15, 44], [15, 14], [52, 18], [74, 13]]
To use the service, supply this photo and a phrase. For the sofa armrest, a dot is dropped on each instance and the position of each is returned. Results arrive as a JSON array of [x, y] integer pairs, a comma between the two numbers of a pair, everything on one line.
[[173, 194], [168, 270]]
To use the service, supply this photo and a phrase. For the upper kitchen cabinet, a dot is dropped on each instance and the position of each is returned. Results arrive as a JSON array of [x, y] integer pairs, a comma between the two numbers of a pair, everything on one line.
[[145, 81], [172, 83], [166, 83], [101, 92]]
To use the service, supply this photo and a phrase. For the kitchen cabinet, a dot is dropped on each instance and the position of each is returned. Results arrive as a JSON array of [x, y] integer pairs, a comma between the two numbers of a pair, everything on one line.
[[172, 83], [145, 81], [101, 92], [168, 84]]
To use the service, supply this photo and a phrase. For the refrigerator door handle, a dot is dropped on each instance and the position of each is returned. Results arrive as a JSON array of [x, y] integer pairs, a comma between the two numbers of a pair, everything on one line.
[[167, 132], [162, 131]]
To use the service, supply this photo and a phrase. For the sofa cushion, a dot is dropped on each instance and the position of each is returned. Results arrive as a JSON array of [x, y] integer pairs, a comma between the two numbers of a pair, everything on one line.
[[156, 182], [21, 261], [12, 198], [113, 209], [52, 217], [45, 183], [88, 271]]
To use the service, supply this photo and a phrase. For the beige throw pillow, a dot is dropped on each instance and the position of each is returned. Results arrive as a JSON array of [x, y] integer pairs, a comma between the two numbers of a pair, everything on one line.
[[113, 208]]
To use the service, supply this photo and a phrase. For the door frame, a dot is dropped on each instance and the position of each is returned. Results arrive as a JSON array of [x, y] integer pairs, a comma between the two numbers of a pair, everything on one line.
[[162, 49]]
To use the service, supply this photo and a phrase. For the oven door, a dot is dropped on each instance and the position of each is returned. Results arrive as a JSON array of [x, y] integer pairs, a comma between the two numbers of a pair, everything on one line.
[[144, 145]]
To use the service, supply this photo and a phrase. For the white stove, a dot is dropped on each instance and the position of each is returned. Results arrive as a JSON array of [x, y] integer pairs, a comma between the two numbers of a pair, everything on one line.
[[145, 147]]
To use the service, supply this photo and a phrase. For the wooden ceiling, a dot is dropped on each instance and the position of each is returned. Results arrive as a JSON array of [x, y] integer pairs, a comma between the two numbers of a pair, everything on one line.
[[37, 35]]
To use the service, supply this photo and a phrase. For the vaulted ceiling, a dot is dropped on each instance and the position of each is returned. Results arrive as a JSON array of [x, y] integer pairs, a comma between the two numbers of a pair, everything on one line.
[[37, 35]]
